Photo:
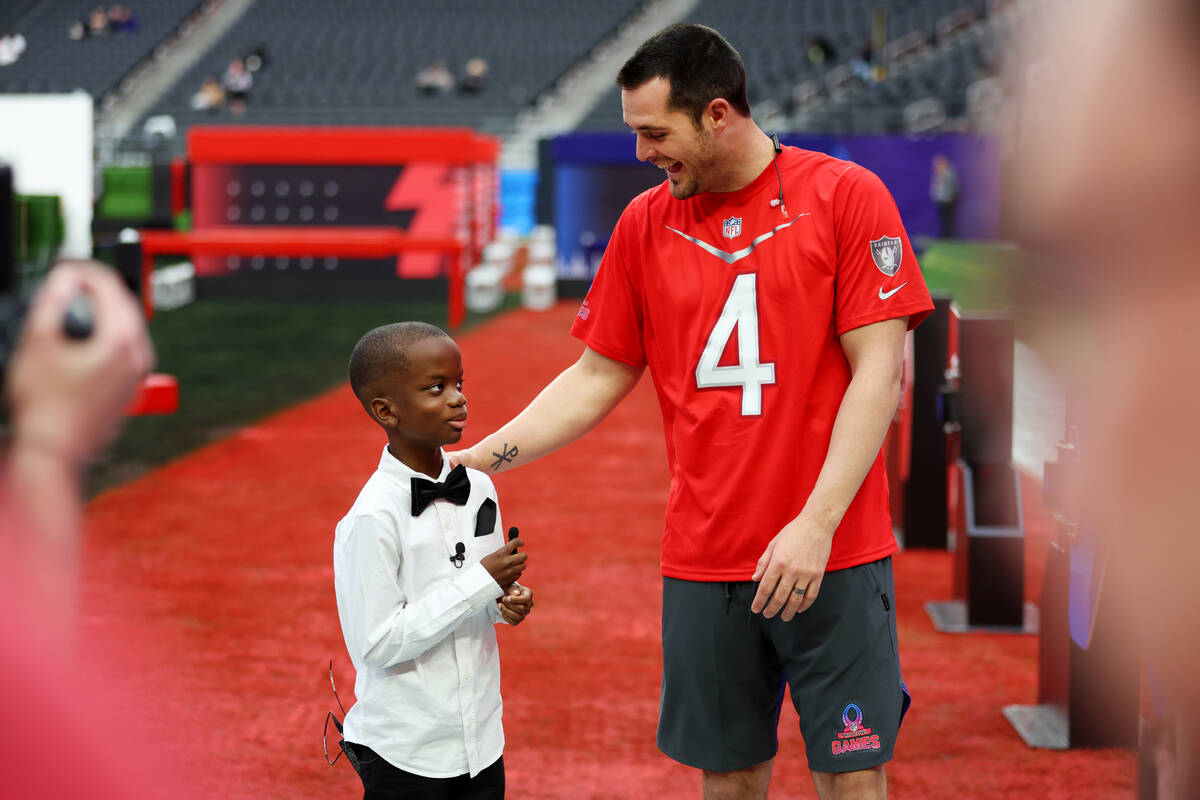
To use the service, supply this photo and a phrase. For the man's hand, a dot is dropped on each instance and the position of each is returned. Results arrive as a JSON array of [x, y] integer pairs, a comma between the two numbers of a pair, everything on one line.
[[516, 604], [67, 396], [794, 560], [468, 458], [506, 564]]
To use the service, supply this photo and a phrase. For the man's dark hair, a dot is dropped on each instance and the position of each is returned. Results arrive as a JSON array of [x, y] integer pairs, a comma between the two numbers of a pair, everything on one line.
[[699, 64], [382, 351]]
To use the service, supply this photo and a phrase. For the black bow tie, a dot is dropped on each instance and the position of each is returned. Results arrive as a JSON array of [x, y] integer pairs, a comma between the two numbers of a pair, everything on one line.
[[456, 489]]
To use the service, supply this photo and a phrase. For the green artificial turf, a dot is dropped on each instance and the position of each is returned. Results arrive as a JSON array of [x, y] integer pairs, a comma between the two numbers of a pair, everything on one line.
[[239, 361], [979, 276]]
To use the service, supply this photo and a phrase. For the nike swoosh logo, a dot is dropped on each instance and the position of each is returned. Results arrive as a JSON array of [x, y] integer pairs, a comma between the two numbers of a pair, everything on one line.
[[737, 255], [885, 295]]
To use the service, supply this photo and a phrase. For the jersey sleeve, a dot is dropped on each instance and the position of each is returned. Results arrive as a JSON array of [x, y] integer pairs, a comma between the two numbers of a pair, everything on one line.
[[878, 277], [610, 320]]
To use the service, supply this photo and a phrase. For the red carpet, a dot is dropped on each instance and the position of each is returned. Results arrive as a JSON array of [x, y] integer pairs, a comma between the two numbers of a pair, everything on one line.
[[213, 577]]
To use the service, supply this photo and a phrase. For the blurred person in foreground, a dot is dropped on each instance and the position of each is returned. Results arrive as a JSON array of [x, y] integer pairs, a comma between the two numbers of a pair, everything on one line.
[[1111, 160], [776, 552], [65, 398]]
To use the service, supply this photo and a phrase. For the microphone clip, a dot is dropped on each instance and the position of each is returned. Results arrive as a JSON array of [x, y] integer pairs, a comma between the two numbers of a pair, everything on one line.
[[459, 557]]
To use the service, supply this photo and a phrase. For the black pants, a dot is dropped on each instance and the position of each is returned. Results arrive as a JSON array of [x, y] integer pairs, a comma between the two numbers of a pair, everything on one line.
[[382, 781], [947, 216]]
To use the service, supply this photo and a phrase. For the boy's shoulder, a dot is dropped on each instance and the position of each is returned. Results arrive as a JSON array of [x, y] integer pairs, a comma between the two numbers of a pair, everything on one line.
[[377, 499], [482, 481]]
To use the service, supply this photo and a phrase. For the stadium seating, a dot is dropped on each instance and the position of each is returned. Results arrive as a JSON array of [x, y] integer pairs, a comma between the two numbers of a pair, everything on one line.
[[933, 51], [361, 70], [54, 63], [354, 62]]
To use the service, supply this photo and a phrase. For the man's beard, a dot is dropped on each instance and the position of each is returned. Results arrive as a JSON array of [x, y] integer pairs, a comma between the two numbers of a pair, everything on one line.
[[703, 163]]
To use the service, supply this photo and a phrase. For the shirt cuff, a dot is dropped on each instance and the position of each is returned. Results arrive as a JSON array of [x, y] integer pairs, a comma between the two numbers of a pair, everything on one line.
[[494, 609], [478, 586]]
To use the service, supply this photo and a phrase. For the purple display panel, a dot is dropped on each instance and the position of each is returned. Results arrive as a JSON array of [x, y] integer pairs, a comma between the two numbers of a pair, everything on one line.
[[596, 174]]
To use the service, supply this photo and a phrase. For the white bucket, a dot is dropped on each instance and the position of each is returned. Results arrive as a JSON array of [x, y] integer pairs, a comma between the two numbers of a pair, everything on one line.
[[484, 289], [540, 291]]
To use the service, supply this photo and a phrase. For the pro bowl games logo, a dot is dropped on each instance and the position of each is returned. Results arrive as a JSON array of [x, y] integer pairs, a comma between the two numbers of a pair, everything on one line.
[[732, 227], [887, 252], [854, 736]]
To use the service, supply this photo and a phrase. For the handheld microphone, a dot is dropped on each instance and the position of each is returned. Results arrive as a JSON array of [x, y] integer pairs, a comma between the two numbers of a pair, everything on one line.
[[459, 556], [79, 320]]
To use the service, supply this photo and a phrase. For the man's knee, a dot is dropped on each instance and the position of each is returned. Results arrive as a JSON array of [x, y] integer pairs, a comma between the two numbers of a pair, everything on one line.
[[739, 784], [866, 784]]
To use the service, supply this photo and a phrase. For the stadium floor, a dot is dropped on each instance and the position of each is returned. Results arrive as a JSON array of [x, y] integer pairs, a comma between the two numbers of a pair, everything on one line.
[[208, 582]]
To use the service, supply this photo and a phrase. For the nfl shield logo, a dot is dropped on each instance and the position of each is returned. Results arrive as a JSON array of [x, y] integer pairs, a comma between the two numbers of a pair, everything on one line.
[[887, 251], [732, 227]]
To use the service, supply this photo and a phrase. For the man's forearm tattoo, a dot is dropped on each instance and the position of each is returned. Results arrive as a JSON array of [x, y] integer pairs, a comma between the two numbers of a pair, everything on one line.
[[506, 455]]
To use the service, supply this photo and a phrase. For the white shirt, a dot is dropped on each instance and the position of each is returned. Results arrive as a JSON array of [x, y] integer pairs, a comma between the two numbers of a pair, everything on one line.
[[11, 48], [419, 630]]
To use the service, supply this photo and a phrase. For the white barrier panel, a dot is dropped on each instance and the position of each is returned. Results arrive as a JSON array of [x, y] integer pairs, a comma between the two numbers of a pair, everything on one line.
[[47, 139]]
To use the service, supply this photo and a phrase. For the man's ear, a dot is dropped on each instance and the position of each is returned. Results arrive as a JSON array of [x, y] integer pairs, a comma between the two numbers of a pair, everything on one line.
[[717, 113], [383, 411]]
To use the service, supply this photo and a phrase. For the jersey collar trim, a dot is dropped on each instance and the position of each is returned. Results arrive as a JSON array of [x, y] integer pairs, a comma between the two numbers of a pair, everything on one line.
[[737, 255]]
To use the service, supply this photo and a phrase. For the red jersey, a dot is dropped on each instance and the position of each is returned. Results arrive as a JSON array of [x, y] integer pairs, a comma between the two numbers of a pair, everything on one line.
[[736, 309]]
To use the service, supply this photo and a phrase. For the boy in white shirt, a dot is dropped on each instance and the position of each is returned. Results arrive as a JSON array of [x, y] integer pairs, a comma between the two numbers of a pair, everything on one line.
[[422, 572]]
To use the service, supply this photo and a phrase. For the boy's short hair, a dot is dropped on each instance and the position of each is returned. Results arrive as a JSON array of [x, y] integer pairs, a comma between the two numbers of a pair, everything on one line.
[[383, 351], [699, 64]]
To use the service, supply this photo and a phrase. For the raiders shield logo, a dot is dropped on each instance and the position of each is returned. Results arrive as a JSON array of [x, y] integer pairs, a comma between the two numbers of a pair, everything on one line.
[[887, 251], [732, 227]]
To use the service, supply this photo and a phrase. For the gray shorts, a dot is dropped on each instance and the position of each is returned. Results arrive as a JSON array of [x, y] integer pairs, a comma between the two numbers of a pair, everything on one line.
[[724, 671]]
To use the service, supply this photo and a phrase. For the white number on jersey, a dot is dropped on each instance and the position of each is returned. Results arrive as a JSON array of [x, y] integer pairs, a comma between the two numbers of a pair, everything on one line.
[[740, 311]]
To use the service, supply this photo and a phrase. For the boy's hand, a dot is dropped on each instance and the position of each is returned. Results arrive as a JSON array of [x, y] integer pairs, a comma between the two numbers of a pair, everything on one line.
[[506, 564], [516, 604]]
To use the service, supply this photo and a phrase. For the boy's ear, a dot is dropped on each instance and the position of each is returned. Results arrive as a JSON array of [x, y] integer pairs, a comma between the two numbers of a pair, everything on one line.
[[383, 411]]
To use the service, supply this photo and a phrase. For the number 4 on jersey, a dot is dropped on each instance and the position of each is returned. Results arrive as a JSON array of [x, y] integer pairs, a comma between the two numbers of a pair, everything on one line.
[[740, 311]]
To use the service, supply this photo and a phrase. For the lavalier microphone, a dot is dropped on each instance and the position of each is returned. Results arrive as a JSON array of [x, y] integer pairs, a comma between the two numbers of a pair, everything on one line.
[[777, 201]]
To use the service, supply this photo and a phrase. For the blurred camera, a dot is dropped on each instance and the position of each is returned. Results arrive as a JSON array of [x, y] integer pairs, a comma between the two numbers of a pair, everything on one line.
[[18, 281], [12, 301]]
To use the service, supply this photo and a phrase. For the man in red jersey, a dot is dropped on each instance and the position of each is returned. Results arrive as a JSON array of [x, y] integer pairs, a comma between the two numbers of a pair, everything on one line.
[[768, 289]]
